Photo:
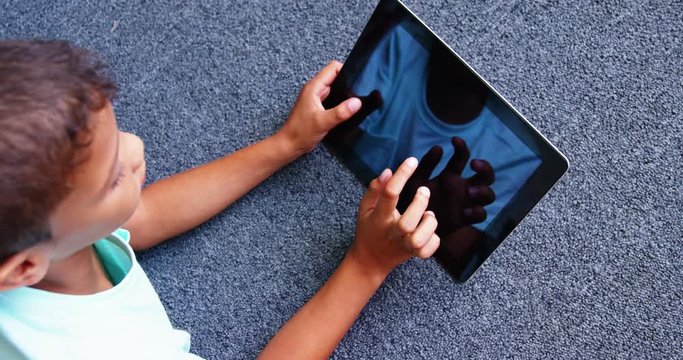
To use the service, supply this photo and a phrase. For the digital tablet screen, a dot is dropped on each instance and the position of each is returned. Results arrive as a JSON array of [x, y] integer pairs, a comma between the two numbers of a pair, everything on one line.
[[485, 165]]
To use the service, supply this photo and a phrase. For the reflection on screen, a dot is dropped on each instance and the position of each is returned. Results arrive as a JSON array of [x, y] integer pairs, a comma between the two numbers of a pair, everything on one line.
[[420, 100]]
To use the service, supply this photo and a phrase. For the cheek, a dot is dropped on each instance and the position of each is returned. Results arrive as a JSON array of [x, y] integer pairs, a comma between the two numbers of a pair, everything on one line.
[[121, 206], [124, 203], [130, 198], [75, 226]]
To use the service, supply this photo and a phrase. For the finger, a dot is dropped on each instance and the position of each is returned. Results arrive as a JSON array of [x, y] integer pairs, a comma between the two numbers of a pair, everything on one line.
[[387, 202], [484, 173], [342, 112], [460, 156], [324, 93], [428, 163], [373, 193], [326, 76], [481, 194], [420, 176], [424, 231], [411, 217], [430, 247], [475, 214]]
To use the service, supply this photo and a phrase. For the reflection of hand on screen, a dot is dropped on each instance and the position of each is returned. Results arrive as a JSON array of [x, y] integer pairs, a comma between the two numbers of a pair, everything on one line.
[[371, 102], [349, 130], [455, 200], [458, 248]]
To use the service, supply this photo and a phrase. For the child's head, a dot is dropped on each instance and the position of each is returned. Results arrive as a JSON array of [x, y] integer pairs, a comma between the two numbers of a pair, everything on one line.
[[454, 93], [68, 176]]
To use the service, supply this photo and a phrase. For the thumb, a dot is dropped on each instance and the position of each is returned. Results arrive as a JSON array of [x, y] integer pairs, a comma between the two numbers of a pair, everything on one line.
[[343, 111]]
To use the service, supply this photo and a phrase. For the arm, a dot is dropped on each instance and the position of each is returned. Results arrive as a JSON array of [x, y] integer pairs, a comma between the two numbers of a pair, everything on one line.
[[183, 201], [384, 239], [319, 326]]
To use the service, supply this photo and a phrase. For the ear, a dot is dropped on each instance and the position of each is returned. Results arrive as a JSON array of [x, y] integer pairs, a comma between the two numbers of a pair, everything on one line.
[[24, 268]]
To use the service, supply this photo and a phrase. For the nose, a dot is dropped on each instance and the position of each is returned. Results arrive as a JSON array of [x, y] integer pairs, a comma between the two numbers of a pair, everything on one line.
[[132, 150]]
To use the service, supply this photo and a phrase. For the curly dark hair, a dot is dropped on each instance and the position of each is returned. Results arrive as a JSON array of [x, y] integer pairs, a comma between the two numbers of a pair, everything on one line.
[[48, 89]]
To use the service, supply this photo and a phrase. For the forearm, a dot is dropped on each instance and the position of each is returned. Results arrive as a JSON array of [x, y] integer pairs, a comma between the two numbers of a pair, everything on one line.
[[318, 327], [178, 203]]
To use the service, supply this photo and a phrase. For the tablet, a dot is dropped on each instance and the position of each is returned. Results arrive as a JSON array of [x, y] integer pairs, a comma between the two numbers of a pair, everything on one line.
[[486, 165]]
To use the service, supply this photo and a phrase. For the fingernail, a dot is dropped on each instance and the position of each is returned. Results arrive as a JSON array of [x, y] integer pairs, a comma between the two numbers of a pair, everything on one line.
[[384, 175], [472, 191], [354, 104], [424, 190], [468, 212], [411, 162]]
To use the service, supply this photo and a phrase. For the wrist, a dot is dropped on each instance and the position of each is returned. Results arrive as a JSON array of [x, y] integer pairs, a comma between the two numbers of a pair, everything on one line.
[[373, 271], [284, 146]]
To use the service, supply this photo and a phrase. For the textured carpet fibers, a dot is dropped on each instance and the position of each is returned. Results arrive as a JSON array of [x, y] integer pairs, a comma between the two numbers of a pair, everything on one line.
[[595, 271]]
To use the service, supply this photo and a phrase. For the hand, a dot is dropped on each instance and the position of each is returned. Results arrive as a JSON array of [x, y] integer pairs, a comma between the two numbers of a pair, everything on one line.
[[309, 122], [456, 201], [384, 237]]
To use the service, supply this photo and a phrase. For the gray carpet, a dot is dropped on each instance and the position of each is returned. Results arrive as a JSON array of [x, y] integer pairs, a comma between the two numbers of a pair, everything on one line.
[[595, 271]]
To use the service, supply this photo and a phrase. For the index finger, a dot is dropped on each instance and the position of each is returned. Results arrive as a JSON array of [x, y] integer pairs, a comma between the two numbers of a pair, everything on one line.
[[389, 199], [326, 76]]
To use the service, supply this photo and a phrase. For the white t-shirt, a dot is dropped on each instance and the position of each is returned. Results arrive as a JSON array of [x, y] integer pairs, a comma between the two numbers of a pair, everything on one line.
[[127, 321]]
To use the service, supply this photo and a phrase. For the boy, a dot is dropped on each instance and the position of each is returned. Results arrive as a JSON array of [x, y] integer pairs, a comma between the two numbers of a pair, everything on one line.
[[70, 286]]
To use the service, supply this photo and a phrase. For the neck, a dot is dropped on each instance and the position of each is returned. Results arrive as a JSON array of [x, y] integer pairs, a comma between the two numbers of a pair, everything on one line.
[[79, 274]]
